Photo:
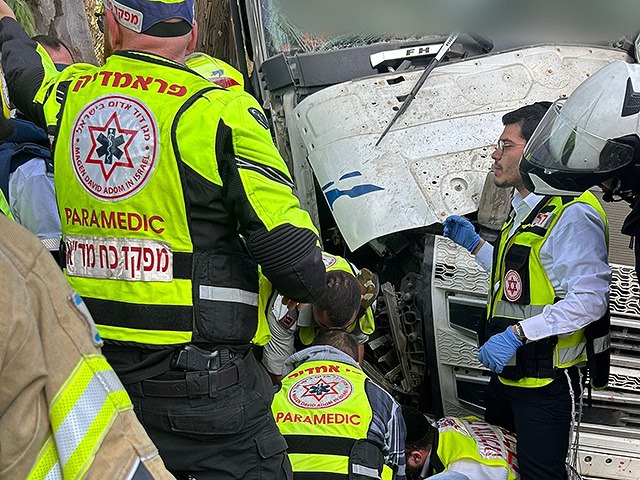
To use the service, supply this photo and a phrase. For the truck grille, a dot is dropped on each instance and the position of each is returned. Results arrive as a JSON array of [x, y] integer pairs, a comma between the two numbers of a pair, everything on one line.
[[619, 404]]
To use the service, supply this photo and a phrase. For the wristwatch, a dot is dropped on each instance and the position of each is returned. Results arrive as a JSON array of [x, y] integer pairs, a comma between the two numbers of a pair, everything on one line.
[[520, 333]]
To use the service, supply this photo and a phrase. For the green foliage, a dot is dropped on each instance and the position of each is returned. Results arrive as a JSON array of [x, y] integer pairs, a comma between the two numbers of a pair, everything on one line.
[[24, 16]]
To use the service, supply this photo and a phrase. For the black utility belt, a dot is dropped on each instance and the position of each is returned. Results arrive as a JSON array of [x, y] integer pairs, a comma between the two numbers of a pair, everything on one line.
[[206, 373]]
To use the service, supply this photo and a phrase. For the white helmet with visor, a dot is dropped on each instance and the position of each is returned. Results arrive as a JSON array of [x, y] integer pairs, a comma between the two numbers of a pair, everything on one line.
[[588, 138]]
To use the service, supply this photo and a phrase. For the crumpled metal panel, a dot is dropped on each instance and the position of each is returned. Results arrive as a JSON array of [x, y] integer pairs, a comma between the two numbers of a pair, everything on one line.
[[434, 160]]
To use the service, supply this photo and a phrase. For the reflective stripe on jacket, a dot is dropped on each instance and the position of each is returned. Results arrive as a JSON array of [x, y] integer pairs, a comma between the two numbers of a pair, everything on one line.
[[81, 414]]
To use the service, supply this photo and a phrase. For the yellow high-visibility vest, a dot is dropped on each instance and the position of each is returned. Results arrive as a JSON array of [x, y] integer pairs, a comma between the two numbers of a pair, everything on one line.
[[525, 290]]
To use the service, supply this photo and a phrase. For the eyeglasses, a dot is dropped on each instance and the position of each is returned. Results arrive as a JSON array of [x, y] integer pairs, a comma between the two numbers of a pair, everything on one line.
[[99, 14], [503, 146]]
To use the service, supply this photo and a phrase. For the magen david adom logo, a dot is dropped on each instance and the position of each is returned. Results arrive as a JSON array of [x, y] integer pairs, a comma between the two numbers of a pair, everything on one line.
[[114, 147], [512, 285], [320, 391]]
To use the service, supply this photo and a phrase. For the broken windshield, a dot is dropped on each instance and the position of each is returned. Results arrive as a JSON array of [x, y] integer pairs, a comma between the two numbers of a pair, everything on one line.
[[290, 28], [295, 26]]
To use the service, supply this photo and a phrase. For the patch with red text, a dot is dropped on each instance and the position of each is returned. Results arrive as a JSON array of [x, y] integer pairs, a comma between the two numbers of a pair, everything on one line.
[[114, 147], [512, 285], [127, 16], [543, 220], [130, 259], [289, 319], [320, 391]]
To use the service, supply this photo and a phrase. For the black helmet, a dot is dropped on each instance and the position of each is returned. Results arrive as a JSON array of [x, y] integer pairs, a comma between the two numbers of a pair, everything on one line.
[[589, 138]]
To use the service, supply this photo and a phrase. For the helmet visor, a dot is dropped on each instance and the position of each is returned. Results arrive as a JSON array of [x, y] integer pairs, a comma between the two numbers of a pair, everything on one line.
[[559, 145]]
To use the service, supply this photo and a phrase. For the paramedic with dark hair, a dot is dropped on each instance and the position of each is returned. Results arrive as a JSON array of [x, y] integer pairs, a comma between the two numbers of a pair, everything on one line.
[[548, 287]]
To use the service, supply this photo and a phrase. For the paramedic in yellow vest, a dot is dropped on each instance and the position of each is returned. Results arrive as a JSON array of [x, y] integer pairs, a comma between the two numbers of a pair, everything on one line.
[[162, 172], [549, 281], [458, 449], [285, 322], [337, 422], [64, 414]]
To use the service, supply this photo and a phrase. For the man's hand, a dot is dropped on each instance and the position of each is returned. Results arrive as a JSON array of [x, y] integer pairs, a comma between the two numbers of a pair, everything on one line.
[[461, 231], [5, 10], [291, 304], [498, 350]]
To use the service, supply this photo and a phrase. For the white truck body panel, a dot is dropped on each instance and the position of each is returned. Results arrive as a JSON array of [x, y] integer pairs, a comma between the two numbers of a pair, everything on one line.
[[434, 160]]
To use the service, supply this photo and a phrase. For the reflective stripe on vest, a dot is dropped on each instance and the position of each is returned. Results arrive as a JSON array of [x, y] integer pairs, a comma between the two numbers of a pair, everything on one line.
[[567, 355], [317, 466], [81, 414], [513, 310], [51, 244], [224, 294], [601, 344]]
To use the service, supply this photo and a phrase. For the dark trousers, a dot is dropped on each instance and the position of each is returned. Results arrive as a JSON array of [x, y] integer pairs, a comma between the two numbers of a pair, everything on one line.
[[231, 436], [541, 418]]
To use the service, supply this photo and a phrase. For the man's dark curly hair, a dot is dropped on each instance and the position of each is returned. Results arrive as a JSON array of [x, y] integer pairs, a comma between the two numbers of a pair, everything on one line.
[[528, 117], [341, 299]]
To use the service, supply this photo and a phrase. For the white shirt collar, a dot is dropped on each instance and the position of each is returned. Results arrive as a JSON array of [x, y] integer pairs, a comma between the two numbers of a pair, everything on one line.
[[531, 199]]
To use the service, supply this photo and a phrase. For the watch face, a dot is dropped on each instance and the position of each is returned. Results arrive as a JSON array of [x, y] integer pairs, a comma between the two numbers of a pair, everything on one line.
[[520, 333]]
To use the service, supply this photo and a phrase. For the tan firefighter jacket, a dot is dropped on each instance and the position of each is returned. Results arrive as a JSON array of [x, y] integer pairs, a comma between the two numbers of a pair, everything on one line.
[[63, 412]]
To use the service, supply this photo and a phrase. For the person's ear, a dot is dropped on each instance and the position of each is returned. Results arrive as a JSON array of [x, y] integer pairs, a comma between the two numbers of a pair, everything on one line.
[[191, 47], [416, 458], [115, 33], [321, 317]]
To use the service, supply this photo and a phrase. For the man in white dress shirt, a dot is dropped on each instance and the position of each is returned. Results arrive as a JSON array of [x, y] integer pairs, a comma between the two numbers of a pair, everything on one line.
[[548, 290]]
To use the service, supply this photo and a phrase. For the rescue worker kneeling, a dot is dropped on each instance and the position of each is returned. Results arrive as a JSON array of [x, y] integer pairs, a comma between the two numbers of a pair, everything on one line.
[[305, 319], [458, 448], [334, 418]]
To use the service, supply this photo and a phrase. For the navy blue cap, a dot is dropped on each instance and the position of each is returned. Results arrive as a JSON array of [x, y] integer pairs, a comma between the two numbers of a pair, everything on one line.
[[150, 16]]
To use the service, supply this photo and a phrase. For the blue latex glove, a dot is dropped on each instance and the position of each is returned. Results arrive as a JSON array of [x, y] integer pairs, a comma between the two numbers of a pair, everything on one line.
[[461, 231], [498, 350]]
